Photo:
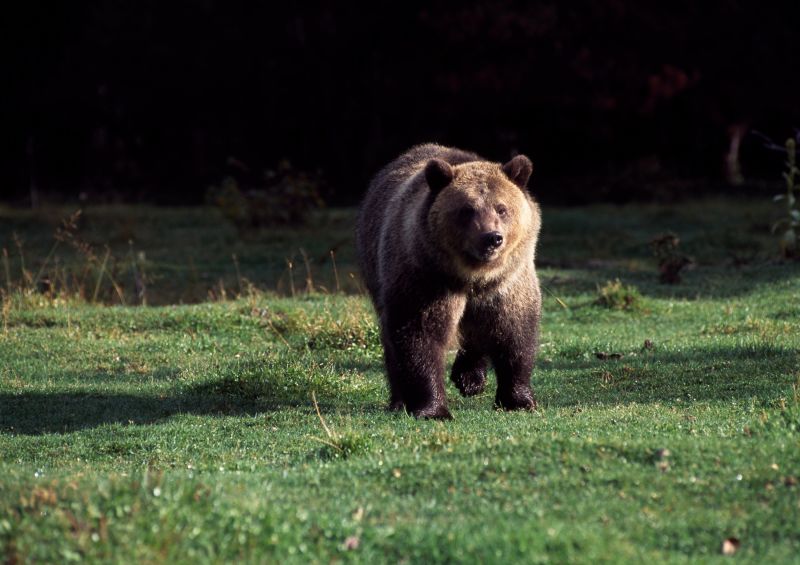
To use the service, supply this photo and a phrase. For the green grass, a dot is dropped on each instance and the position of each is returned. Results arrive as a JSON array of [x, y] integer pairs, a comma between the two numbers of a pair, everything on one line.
[[188, 432]]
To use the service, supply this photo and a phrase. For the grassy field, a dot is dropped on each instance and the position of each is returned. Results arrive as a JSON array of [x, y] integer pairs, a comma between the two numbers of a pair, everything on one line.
[[188, 432]]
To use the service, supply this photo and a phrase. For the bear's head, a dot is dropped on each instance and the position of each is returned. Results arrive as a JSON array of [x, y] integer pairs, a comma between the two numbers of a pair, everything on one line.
[[482, 215]]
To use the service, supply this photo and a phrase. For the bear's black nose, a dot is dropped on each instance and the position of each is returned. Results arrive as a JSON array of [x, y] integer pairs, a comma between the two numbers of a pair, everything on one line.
[[492, 240]]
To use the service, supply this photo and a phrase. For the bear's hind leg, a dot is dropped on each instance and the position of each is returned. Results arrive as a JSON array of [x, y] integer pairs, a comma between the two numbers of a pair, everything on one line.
[[394, 377], [469, 372]]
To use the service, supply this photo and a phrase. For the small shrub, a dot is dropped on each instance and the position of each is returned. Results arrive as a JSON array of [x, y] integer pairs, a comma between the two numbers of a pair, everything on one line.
[[279, 197], [788, 226], [344, 445], [344, 330], [339, 445], [670, 260], [618, 296]]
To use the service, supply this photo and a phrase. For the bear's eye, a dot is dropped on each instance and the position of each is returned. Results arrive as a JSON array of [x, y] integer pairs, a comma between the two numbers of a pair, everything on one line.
[[501, 210], [466, 213]]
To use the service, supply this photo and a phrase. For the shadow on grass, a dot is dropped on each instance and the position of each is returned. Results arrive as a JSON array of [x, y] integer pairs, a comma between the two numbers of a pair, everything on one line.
[[715, 374], [32, 413], [712, 374], [705, 281]]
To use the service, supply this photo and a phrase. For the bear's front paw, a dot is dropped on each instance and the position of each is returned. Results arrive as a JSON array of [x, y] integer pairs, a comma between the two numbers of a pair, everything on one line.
[[470, 383], [469, 373], [516, 400]]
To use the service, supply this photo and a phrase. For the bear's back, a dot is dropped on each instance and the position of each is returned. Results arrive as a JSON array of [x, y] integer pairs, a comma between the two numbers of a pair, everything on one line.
[[381, 206], [410, 162]]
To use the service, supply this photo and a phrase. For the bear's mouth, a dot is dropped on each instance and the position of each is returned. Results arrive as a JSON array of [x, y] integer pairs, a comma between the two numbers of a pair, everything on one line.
[[482, 256]]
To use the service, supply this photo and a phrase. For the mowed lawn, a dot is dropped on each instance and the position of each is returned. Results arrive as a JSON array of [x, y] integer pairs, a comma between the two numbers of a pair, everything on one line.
[[252, 428]]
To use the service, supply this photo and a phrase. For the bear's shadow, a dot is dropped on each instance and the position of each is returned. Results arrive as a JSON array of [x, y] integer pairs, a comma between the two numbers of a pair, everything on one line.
[[40, 412]]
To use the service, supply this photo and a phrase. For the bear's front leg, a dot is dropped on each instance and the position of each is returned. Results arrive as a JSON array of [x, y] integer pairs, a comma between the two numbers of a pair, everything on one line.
[[416, 337], [513, 382], [513, 359], [469, 372]]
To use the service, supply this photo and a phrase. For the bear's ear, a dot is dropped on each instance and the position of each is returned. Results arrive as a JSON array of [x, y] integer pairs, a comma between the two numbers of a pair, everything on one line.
[[439, 174], [519, 170]]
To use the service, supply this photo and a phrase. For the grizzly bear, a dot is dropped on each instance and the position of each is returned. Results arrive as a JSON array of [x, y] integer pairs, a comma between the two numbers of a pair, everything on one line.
[[446, 243]]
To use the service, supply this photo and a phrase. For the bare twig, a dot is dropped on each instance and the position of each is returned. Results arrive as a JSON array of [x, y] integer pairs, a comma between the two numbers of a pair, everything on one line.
[[100, 275], [290, 265], [335, 271], [328, 431], [560, 302], [49, 256], [139, 283], [7, 310], [238, 273], [326, 442], [768, 143], [274, 329], [8, 270], [26, 276], [309, 279]]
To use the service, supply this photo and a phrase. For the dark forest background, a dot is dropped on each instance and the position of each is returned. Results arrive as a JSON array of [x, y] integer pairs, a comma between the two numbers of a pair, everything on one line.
[[143, 100]]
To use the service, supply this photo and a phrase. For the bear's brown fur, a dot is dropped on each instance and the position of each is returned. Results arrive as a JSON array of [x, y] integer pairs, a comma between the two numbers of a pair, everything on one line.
[[446, 243]]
